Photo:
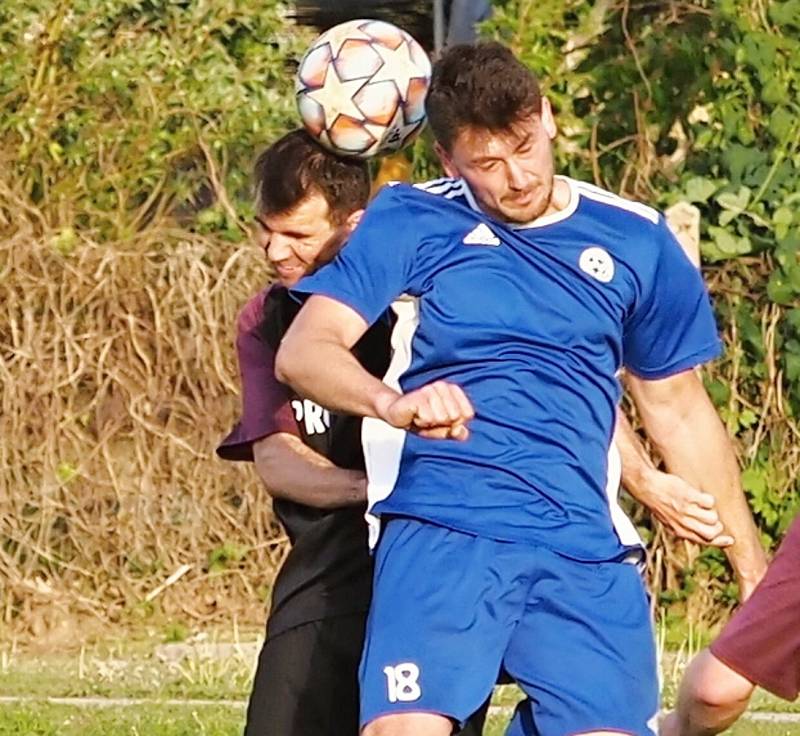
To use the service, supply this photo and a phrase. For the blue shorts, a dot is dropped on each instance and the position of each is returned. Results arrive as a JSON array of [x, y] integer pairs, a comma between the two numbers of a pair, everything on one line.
[[450, 609]]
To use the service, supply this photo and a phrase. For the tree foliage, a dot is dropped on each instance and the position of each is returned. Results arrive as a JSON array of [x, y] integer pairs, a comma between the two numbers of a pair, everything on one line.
[[120, 111]]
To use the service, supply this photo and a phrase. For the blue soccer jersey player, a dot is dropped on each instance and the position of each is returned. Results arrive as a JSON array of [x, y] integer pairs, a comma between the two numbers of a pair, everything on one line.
[[521, 295]]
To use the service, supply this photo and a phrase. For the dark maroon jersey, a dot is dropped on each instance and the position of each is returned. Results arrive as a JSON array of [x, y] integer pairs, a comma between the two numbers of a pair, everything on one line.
[[328, 571], [266, 404], [762, 640]]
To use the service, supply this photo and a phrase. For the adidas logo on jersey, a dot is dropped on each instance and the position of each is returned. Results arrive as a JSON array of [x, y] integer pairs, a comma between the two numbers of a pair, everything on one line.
[[481, 235]]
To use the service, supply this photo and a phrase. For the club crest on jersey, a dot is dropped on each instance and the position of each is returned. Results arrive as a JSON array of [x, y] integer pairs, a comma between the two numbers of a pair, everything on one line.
[[596, 262], [481, 235]]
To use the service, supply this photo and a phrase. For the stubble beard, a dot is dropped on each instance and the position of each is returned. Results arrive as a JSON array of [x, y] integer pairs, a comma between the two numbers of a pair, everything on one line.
[[534, 211]]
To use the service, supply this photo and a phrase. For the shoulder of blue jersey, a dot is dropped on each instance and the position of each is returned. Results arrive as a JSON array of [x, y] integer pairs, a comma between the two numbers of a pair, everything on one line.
[[428, 194], [604, 197], [446, 187]]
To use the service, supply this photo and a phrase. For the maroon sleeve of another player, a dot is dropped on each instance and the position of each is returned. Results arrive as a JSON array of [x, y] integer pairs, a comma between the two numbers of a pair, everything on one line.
[[762, 640], [266, 407]]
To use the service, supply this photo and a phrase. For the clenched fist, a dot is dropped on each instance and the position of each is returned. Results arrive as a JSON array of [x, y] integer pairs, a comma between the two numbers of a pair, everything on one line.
[[440, 410]]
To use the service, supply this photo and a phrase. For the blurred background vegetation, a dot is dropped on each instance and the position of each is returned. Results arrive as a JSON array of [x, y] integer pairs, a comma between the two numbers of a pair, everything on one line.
[[127, 131]]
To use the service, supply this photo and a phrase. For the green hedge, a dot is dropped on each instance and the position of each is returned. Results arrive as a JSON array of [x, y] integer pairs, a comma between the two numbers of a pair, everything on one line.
[[119, 111]]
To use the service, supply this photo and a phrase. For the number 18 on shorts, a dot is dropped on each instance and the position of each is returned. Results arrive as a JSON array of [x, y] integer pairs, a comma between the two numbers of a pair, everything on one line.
[[402, 683]]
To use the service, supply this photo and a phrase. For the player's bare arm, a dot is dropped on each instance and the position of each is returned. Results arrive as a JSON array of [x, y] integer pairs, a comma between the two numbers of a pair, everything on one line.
[[315, 359], [293, 471], [687, 512], [681, 421]]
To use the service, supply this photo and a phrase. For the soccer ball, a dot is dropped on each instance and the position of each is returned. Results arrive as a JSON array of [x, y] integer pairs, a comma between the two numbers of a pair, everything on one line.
[[361, 88]]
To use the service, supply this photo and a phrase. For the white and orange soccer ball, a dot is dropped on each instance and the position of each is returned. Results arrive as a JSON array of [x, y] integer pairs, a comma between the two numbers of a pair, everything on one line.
[[361, 88]]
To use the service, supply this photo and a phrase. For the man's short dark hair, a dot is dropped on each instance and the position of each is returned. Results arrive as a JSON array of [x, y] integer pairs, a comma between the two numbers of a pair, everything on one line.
[[479, 85], [296, 166]]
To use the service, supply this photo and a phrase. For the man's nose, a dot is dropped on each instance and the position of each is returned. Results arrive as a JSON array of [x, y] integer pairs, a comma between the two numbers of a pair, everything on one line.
[[261, 238], [517, 177], [279, 247]]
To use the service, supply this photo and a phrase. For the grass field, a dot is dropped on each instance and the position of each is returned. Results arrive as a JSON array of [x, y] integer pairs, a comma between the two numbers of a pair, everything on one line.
[[204, 669], [58, 720], [40, 719]]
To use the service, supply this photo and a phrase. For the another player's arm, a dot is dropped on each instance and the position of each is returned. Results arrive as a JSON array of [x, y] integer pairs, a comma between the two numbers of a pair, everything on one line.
[[315, 358], [685, 511], [267, 431], [291, 470], [681, 421]]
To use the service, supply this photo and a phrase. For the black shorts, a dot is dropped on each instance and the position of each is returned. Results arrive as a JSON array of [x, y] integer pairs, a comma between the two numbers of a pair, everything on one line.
[[306, 682]]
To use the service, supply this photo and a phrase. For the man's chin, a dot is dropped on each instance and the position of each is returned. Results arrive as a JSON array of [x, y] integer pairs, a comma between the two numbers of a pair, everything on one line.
[[524, 212], [288, 280], [520, 215]]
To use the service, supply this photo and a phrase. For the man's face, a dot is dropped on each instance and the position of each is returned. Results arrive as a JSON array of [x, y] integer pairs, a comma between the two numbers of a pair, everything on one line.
[[510, 173], [299, 241]]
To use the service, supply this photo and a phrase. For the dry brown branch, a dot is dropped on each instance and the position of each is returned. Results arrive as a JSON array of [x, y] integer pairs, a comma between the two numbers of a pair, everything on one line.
[[219, 189], [118, 378]]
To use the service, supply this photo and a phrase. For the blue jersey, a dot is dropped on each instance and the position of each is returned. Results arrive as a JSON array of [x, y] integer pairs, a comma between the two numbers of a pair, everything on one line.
[[534, 322]]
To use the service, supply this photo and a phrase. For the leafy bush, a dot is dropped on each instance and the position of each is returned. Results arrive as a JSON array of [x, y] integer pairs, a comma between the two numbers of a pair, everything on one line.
[[121, 111]]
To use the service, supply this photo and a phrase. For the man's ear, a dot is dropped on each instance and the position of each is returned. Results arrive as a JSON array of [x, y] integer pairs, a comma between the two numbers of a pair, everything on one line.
[[447, 161], [548, 119], [352, 220]]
